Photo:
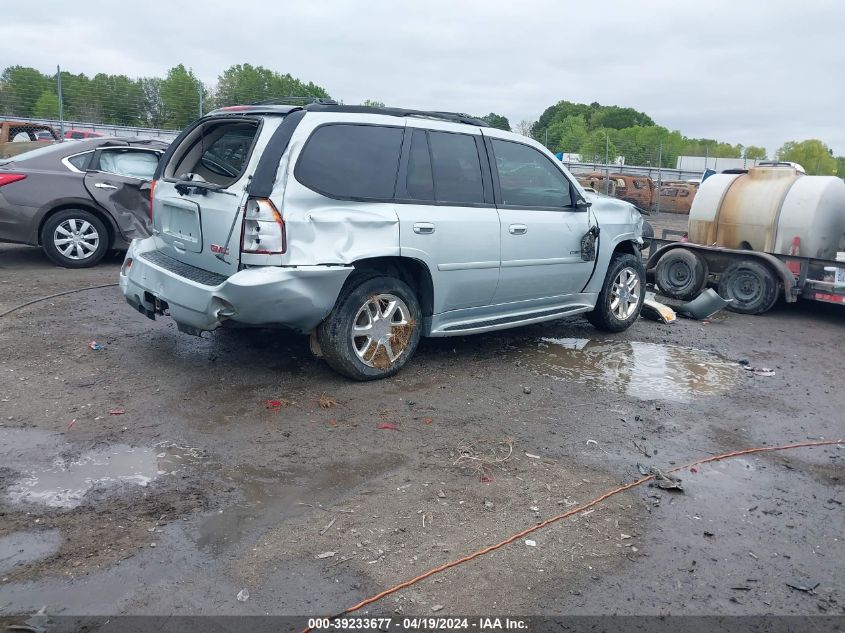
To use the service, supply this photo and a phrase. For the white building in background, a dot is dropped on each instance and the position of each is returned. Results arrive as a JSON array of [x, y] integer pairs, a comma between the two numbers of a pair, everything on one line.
[[700, 163]]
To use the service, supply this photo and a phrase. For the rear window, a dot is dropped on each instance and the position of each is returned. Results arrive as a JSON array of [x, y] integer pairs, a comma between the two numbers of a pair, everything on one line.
[[350, 161], [214, 151]]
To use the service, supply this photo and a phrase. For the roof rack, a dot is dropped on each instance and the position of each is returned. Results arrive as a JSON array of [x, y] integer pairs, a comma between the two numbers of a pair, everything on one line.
[[291, 100], [454, 117]]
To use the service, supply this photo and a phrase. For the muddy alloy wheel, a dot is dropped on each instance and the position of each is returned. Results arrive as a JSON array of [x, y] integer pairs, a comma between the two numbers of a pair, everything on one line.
[[373, 329], [74, 238], [377, 333], [621, 298]]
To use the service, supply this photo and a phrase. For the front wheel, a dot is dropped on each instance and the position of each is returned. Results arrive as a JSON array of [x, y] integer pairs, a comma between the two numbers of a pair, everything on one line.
[[75, 238], [373, 330], [621, 298]]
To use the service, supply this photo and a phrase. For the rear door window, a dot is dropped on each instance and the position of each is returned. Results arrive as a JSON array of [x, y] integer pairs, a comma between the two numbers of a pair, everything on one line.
[[457, 168], [131, 163], [420, 181], [527, 178], [351, 161]]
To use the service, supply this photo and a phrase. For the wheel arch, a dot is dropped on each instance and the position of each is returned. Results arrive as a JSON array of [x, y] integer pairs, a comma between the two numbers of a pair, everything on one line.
[[413, 272]]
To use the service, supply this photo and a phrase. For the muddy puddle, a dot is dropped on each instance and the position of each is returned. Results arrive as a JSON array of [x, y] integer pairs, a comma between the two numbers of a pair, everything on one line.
[[64, 483], [647, 371], [20, 548], [272, 496]]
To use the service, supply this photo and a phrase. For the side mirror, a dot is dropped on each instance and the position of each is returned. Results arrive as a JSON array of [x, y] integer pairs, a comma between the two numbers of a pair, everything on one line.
[[581, 204]]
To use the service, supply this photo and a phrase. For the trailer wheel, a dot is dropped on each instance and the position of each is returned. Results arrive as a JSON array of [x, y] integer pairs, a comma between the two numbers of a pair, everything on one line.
[[681, 274], [752, 286]]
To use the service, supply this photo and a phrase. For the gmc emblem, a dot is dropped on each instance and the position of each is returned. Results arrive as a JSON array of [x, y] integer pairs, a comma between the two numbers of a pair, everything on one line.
[[219, 249]]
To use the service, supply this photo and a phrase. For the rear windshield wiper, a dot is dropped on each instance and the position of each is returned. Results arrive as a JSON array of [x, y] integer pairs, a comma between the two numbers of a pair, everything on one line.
[[185, 187]]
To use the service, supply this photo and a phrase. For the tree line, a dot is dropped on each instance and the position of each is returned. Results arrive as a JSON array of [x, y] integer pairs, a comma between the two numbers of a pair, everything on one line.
[[171, 101]]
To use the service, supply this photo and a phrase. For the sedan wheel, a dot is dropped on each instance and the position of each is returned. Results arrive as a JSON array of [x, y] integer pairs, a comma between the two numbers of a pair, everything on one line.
[[74, 238]]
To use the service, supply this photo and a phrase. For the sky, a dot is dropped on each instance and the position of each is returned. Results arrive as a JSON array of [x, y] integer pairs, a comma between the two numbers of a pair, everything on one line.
[[754, 72]]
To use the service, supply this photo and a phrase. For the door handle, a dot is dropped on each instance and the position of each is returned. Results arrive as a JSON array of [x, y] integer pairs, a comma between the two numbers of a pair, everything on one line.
[[423, 228], [102, 185], [517, 229]]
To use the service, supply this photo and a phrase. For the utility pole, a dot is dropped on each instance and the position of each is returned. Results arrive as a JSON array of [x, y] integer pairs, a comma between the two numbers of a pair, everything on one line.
[[547, 138], [659, 173], [200, 91], [606, 163], [61, 105]]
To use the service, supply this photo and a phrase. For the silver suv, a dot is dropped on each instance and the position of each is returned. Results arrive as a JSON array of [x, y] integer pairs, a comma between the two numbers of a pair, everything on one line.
[[370, 227]]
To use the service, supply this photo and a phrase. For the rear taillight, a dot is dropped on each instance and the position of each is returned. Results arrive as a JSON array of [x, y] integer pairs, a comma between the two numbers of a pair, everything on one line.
[[264, 229], [127, 264], [8, 179], [152, 191]]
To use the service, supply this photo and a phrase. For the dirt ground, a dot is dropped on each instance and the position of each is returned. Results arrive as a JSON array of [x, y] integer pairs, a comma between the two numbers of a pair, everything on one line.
[[152, 476]]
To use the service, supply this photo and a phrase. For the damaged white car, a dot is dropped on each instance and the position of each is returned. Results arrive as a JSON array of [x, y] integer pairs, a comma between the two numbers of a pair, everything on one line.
[[368, 228]]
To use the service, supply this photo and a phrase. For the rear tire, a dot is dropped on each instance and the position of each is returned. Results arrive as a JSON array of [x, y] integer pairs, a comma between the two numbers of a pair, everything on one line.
[[75, 238], [373, 330], [681, 274], [621, 298], [752, 286]]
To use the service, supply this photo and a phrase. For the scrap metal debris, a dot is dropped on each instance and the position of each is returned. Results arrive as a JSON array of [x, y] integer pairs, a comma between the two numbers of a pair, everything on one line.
[[804, 588], [704, 305], [662, 480], [243, 595], [94, 345], [387, 426], [757, 371], [653, 310]]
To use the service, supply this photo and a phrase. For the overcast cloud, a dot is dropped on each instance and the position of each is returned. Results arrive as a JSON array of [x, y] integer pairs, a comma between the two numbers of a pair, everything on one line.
[[742, 71]]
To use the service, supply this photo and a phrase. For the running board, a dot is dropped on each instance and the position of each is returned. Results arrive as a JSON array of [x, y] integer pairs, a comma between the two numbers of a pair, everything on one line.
[[501, 323]]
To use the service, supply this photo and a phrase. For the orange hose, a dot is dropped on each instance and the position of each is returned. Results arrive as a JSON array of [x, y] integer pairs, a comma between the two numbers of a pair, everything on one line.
[[568, 513]]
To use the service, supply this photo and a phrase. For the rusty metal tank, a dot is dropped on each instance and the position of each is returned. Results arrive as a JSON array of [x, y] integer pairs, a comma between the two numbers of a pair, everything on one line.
[[773, 210]]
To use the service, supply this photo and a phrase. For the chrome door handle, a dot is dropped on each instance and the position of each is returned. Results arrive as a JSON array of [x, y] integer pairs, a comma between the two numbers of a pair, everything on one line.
[[102, 185], [518, 229], [423, 228]]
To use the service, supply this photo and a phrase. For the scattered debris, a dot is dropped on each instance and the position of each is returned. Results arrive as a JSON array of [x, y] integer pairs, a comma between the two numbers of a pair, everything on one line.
[[753, 555], [625, 536], [707, 533], [327, 527], [427, 420], [593, 442], [94, 345], [71, 424], [804, 588], [486, 479], [388, 426], [665, 481], [441, 494], [532, 455], [243, 595], [326, 403], [488, 505], [530, 543], [117, 411], [437, 607], [326, 554], [653, 310], [758, 371], [526, 390], [276, 405], [704, 305]]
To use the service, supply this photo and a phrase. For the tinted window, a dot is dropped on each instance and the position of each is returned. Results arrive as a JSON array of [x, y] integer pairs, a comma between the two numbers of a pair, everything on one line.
[[130, 163], [457, 169], [528, 178], [79, 161], [351, 161], [420, 182]]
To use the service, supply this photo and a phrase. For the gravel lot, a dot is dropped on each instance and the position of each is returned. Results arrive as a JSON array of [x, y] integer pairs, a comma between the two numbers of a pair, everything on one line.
[[152, 477]]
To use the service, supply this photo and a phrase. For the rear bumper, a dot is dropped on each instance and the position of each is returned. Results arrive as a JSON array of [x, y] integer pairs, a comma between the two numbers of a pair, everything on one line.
[[297, 297]]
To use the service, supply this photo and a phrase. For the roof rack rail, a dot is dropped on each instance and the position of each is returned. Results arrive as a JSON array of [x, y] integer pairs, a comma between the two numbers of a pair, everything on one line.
[[293, 99], [454, 117]]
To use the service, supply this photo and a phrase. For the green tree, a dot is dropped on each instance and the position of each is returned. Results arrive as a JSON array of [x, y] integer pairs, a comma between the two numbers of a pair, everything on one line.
[[47, 106], [20, 89], [180, 97], [840, 166], [371, 103], [752, 152], [497, 121], [597, 146], [244, 83], [569, 134], [153, 113], [813, 155]]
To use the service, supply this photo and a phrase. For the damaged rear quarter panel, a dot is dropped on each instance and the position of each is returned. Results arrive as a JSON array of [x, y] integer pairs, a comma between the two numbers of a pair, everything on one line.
[[321, 230]]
